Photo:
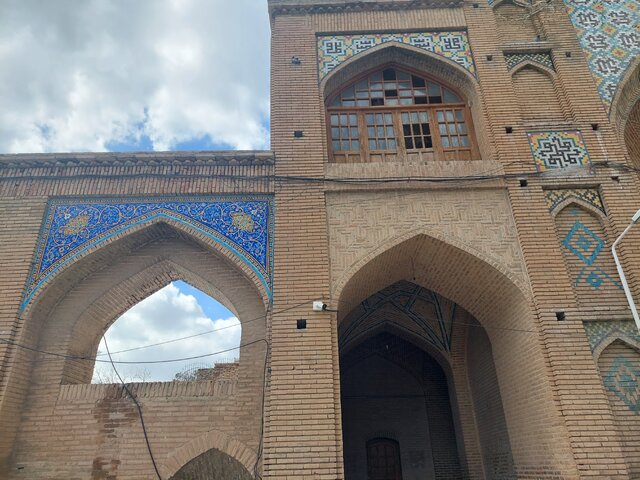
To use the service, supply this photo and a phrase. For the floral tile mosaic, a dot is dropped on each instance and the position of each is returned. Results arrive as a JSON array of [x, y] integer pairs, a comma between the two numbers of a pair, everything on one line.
[[244, 225], [562, 149], [333, 50], [609, 33]]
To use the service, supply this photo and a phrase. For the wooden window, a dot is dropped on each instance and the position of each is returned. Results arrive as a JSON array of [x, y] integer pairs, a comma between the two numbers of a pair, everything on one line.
[[392, 114], [383, 459]]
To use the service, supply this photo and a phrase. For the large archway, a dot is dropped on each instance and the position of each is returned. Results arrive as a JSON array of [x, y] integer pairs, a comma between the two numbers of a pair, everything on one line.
[[69, 320], [474, 327], [213, 465]]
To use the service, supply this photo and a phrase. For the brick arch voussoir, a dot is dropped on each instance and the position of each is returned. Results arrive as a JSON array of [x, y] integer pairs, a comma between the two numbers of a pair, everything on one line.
[[447, 70], [618, 337], [626, 96], [535, 66], [214, 439], [491, 262], [184, 230], [568, 202]]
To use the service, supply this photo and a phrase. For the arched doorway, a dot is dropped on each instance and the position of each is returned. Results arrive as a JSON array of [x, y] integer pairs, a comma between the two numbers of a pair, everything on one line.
[[410, 359], [213, 465]]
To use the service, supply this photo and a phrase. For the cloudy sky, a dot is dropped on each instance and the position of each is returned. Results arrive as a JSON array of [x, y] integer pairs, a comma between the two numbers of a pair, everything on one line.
[[176, 311], [133, 75], [123, 75]]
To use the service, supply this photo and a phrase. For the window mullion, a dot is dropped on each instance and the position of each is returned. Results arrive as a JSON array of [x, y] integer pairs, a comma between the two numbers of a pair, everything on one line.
[[435, 134]]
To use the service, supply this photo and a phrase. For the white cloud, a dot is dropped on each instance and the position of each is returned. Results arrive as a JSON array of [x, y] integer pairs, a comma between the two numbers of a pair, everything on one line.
[[79, 75], [166, 315]]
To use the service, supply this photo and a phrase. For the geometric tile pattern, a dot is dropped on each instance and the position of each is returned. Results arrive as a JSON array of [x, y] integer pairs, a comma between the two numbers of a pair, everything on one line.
[[541, 58], [336, 49], [587, 195], [586, 245], [243, 224], [622, 379], [599, 332], [609, 33], [562, 149], [431, 316]]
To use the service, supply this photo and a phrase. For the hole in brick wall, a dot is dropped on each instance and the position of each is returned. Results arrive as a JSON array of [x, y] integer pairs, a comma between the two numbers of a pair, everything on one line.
[[301, 324], [509, 130], [296, 61], [560, 316], [595, 127], [177, 321], [475, 5], [616, 178], [489, 58], [567, 54], [298, 134], [523, 182]]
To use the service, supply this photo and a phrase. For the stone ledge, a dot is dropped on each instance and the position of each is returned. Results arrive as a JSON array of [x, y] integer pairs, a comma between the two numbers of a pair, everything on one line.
[[301, 7], [240, 158]]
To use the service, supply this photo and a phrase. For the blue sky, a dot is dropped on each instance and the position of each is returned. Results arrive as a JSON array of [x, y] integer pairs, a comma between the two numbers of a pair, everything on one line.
[[142, 75]]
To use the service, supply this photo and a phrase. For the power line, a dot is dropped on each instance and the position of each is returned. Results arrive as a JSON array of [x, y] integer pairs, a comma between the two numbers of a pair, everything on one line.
[[242, 322], [135, 400]]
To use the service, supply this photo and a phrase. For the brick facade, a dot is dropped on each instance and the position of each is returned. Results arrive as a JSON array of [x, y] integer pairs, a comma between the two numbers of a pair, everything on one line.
[[486, 284]]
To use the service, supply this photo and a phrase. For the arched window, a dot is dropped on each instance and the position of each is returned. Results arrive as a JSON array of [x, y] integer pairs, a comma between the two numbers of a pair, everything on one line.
[[392, 114]]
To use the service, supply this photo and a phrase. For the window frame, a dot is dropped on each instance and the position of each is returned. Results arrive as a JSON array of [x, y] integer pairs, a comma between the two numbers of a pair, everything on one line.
[[364, 154]]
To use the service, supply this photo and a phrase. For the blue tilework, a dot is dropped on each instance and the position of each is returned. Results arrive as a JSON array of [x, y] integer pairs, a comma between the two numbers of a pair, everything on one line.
[[586, 245], [609, 33], [560, 149], [599, 332], [622, 380], [336, 49], [244, 225]]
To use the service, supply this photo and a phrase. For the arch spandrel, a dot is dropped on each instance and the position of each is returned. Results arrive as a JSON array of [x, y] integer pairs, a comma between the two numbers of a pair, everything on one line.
[[238, 228]]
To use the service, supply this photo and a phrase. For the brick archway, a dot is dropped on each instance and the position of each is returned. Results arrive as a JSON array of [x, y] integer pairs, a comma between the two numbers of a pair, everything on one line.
[[502, 307], [213, 439], [71, 317]]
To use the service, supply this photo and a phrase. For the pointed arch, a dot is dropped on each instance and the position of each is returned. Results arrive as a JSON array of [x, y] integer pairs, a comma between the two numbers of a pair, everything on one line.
[[626, 97], [77, 232], [618, 337], [214, 439], [416, 59], [537, 92], [406, 56], [578, 203]]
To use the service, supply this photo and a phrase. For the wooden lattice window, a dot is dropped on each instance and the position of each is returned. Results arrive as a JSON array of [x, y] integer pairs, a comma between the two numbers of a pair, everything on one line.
[[383, 459], [393, 114]]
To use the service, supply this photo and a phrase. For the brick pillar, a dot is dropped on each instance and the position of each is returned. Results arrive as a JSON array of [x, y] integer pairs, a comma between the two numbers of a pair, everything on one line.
[[302, 422]]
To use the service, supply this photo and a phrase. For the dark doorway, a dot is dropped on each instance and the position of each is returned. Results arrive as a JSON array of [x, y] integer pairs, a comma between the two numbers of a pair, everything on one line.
[[383, 459]]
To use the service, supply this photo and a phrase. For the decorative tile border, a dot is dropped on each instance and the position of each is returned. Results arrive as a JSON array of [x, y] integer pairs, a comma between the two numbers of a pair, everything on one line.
[[333, 50], [609, 33], [587, 195], [563, 149], [244, 225], [541, 58], [600, 332]]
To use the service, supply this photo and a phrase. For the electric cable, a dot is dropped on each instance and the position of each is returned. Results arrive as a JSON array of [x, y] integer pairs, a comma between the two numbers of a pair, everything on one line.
[[207, 332], [135, 401]]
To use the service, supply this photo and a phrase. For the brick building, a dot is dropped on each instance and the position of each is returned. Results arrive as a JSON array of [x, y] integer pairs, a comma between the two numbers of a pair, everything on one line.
[[447, 176]]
